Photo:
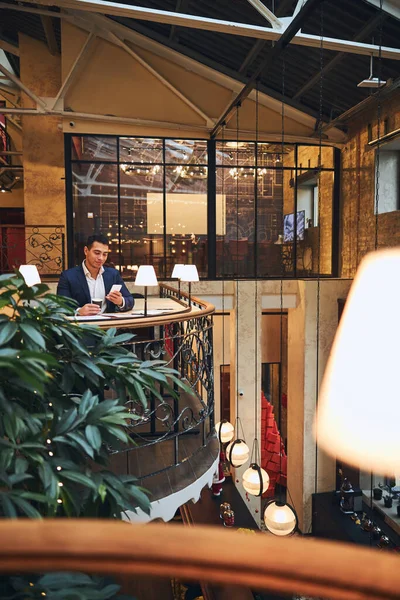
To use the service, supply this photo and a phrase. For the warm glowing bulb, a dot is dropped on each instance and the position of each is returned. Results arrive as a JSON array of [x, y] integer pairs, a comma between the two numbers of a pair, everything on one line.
[[280, 519], [237, 453], [225, 431], [255, 478]]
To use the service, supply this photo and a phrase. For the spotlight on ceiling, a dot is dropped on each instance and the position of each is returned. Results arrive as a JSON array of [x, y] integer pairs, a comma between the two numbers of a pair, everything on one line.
[[4, 189], [371, 82]]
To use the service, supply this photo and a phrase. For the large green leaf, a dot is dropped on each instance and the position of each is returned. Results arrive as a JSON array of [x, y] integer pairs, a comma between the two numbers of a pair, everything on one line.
[[93, 436], [79, 478], [33, 334], [7, 332]]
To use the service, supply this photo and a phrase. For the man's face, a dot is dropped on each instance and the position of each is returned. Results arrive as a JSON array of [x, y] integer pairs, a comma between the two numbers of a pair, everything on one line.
[[97, 255]]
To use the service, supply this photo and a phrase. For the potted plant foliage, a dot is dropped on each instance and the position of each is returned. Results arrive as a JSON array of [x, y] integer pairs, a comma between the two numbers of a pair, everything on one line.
[[56, 425]]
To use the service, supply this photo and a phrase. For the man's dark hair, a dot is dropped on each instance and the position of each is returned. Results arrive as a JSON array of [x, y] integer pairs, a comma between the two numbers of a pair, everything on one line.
[[97, 237]]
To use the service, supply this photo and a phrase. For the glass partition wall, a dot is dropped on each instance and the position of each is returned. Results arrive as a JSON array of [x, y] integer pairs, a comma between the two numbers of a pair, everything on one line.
[[235, 209]]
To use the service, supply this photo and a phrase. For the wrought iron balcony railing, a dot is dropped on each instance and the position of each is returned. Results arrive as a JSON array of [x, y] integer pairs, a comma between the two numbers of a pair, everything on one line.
[[40, 245], [176, 429]]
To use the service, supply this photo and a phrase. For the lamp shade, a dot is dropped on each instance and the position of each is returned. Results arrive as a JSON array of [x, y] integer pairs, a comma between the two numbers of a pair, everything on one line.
[[359, 409], [279, 518], [225, 431], [31, 274], [178, 271], [146, 275], [237, 453], [189, 273], [255, 480]]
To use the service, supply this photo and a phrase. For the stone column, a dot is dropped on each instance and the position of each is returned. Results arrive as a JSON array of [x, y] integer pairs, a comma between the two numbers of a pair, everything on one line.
[[243, 379], [305, 325], [43, 150]]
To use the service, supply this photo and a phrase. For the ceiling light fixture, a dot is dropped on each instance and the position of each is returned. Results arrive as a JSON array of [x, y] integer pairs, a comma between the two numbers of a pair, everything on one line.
[[371, 82]]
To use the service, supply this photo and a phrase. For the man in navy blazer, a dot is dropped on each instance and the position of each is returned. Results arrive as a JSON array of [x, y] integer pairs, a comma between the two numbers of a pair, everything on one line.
[[91, 280]]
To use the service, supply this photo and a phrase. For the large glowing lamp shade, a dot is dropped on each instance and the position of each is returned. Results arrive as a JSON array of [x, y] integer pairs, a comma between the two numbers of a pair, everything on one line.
[[146, 276], [280, 518], [225, 431], [178, 271], [359, 405], [31, 274], [189, 273]]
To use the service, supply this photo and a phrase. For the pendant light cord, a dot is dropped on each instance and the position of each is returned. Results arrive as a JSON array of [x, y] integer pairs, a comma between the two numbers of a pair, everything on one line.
[[237, 271], [281, 282], [379, 116], [318, 312], [256, 449], [376, 204]]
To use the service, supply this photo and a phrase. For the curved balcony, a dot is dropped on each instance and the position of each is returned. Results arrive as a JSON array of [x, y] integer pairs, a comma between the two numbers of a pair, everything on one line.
[[175, 451]]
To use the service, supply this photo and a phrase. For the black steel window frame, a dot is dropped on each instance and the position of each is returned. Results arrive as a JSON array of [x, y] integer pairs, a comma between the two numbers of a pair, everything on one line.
[[212, 167]]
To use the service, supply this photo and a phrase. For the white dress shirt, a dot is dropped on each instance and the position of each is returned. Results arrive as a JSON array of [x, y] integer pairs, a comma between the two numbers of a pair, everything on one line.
[[96, 287]]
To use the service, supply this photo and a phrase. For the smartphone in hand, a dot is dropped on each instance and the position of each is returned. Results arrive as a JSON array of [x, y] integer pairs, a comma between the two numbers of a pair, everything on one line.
[[115, 288]]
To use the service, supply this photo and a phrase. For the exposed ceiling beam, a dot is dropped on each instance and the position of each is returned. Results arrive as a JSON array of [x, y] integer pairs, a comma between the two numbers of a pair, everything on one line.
[[70, 114], [391, 7], [8, 47], [259, 45], [266, 13], [162, 79], [253, 53], [14, 123], [77, 64], [48, 28], [10, 89], [362, 34], [195, 62], [181, 6], [232, 28], [23, 87], [274, 52]]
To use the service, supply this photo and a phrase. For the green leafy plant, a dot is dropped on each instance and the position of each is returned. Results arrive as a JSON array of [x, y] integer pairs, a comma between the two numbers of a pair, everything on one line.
[[56, 425]]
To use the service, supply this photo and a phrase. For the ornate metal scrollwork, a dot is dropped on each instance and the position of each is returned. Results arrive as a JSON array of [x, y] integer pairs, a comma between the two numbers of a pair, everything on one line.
[[187, 347], [42, 246]]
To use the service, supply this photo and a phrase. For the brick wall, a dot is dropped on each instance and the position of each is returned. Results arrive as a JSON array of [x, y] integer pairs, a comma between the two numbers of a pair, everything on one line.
[[315, 239], [358, 221]]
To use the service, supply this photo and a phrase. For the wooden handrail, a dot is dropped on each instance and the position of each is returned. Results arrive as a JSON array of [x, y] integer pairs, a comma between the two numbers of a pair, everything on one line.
[[186, 314], [295, 565]]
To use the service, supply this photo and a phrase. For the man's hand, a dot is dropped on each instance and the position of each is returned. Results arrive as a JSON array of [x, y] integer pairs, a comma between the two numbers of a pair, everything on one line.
[[88, 310], [115, 298]]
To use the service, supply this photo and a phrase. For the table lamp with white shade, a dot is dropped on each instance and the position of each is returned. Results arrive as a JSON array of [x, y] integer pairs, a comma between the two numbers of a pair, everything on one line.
[[31, 274], [146, 276], [359, 409], [190, 274], [177, 274]]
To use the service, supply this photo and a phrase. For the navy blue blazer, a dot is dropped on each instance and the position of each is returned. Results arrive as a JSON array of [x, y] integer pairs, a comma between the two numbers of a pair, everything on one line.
[[73, 284]]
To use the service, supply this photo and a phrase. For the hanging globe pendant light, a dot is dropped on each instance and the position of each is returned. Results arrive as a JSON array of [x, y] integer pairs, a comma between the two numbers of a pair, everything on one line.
[[255, 480], [280, 518], [225, 431], [237, 453]]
